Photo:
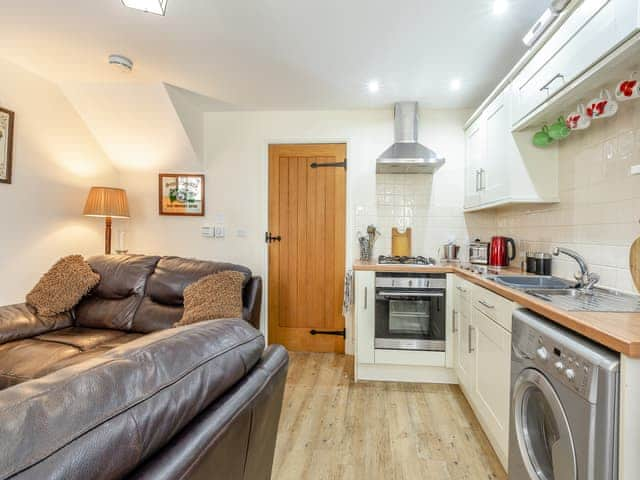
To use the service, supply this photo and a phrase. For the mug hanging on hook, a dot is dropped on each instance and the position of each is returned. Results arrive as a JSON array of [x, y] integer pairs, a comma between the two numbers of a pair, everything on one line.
[[628, 89]]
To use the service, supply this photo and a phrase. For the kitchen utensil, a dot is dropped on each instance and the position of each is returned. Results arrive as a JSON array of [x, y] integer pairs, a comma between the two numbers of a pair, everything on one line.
[[539, 263], [602, 106], [449, 251], [401, 243], [559, 130], [634, 263], [579, 120], [542, 138], [628, 89], [365, 247], [499, 251]]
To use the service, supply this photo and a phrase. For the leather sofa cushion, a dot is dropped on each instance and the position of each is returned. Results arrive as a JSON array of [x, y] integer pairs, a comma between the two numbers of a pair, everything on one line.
[[113, 303], [27, 359], [164, 300], [130, 401], [81, 338], [21, 321]]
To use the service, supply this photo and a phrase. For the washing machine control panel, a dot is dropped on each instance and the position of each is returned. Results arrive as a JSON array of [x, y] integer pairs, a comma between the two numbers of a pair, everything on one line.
[[561, 363]]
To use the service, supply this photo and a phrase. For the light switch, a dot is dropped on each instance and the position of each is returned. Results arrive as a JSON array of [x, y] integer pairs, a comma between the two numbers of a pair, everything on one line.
[[207, 231], [635, 170], [219, 231]]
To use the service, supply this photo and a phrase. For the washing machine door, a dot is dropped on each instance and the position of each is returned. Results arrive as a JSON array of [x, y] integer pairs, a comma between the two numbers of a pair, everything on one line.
[[542, 430]]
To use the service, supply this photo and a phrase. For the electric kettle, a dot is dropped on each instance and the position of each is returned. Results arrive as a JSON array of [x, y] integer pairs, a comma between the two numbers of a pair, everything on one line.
[[499, 251]]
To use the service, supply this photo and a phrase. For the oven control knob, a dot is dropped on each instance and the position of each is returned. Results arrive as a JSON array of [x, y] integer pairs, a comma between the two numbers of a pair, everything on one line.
[[559, 366], [570, 374], [543, 354], [410, 283]]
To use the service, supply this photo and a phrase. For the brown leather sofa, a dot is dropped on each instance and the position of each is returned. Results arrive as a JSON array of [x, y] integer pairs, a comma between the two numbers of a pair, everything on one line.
[[110, 390]]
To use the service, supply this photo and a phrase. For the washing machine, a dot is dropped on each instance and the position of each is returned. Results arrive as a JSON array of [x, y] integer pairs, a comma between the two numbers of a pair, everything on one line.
[[564, 404]]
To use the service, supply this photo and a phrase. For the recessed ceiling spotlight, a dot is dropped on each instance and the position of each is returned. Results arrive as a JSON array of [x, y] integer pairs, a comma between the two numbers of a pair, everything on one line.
[[373, 86], [121, 62], [159, 7], [456, 84], [500, 6]]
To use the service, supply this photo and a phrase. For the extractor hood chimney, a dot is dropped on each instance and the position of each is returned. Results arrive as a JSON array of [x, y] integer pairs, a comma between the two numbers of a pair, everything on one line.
[[406, 155]]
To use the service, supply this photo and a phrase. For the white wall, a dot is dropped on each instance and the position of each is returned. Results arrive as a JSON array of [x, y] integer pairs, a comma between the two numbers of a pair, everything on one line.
[[236, 174], [55, 162]]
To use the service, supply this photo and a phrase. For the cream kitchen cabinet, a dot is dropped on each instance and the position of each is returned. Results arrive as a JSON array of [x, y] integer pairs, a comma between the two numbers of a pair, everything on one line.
[[491, 394], [482, 322], [503, 167], [365, 318]]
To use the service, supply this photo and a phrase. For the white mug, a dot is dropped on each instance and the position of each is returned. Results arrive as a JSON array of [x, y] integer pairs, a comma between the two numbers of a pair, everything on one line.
[[578, 120], [628, 90], [602, 106]]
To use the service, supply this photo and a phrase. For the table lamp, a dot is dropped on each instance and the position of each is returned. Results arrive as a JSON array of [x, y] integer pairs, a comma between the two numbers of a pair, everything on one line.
[[108, 203]]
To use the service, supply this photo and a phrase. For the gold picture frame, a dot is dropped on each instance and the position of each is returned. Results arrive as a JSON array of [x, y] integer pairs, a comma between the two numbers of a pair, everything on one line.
[[6, 144]]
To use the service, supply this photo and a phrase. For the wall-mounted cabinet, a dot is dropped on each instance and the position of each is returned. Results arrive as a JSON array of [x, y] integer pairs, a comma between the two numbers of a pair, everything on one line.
[[591, 32], [503, 167]]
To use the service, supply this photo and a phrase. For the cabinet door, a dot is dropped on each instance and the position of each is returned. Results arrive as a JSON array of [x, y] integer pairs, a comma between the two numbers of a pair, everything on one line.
[[465, 359], [475, 155], [365, 319], [494, 173], [492, 382]]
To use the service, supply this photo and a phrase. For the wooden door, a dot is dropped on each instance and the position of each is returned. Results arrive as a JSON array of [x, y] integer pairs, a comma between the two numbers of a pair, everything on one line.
[[307, 256]]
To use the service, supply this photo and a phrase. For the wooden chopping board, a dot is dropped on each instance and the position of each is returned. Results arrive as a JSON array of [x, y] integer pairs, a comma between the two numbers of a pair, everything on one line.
[[401, 243], [634, 262]]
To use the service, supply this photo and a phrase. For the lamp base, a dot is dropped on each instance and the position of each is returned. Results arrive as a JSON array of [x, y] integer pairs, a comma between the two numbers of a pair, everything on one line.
[[107, 235]]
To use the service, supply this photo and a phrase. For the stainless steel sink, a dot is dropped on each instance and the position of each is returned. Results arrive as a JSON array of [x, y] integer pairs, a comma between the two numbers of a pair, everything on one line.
[[526, 282], [595, 300]]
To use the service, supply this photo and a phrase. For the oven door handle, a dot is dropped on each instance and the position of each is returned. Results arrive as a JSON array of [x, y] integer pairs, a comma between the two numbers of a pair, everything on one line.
[[410, 294]]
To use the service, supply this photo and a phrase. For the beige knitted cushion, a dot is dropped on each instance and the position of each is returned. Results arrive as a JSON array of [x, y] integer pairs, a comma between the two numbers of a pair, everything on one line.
[[63, 286], [214, 296]]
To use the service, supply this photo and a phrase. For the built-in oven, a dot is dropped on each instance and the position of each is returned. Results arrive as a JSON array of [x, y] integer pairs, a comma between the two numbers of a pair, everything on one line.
[[410, 311]]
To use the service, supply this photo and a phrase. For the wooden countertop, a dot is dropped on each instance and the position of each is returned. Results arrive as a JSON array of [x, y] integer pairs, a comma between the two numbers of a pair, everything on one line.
[[618, 331]]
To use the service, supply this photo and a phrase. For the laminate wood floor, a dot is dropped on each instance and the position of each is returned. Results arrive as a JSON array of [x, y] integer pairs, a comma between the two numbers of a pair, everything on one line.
[[333, 428]]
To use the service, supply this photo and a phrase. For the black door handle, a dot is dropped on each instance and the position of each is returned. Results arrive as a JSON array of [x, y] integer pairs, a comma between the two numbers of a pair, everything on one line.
[[268, 238]]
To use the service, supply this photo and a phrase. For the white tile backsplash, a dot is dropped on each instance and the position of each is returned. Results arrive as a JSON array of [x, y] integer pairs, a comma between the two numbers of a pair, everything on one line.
[[599, 205]]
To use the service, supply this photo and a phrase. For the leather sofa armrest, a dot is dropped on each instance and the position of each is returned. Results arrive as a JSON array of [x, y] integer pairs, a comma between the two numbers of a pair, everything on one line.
[[252, 300], [21, 321]]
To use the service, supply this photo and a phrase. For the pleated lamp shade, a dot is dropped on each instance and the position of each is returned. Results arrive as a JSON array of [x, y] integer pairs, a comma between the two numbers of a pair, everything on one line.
[[107, 202]]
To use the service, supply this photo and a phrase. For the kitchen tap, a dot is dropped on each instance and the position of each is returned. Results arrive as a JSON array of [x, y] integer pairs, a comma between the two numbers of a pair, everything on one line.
[[586, 279]]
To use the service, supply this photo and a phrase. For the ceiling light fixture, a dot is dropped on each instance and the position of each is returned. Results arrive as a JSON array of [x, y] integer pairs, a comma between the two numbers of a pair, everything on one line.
[[374, 86], [500, 6], [456, 84], [159, 7]]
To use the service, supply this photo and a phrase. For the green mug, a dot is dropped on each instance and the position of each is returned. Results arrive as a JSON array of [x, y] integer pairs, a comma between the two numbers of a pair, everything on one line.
[[542, 138], [559, 130]]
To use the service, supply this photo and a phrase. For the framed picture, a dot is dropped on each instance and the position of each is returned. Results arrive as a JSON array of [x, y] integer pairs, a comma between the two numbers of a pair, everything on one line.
[[181, 194], [6, 144]]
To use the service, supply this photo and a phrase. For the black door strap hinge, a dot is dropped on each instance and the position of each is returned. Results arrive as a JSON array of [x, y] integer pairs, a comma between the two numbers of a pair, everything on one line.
[[329, 165], [337, 333]]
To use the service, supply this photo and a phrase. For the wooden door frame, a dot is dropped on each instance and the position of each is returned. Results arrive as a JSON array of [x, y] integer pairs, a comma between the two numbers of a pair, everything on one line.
[[297, 141]]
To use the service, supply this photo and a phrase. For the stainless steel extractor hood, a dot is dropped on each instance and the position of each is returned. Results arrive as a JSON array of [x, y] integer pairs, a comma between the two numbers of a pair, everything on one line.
[[406, 155]]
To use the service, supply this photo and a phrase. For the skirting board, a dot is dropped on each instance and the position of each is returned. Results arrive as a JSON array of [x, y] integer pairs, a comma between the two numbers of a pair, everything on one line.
[[405, 373]]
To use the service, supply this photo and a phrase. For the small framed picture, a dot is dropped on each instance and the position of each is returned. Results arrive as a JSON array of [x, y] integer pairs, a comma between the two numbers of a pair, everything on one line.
[[6, 144], [181, 194]]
